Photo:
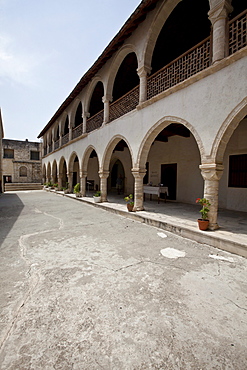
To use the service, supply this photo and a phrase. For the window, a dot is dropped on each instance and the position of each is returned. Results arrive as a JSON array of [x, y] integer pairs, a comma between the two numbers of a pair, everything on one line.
[[23, 171], [34, 155], [238, 171], [8, 153]]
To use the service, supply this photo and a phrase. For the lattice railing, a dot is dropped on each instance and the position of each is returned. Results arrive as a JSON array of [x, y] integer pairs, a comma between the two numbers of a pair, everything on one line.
[[96, 121], [65, 139], [238, 32], [45, 151], [50, 148], [125, 104], [77, 131], [185, 66], [56, 144]]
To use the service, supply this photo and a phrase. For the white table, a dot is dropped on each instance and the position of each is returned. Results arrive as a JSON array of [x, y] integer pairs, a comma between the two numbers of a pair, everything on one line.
[[156, 190]]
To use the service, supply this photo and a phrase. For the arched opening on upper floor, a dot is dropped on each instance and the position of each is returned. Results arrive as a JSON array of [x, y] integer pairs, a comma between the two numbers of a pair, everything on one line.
[[170, 153], [127, 77], [238, 7], [56, 133], [65, 128], [96, 103], [186, 26], [78, 115]]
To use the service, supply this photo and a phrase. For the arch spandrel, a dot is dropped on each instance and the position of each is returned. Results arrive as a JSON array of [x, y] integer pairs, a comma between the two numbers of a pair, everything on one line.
[[226, 130], [86, 157], [61, 162], [72, 157], [155, 130]]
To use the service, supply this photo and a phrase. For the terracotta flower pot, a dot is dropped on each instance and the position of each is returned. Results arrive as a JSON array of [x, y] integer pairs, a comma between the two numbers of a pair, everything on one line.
[[203, 224], [130, 207]]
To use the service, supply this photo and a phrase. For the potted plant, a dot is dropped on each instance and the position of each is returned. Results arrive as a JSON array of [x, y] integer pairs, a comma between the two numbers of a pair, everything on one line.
[[77, 190], [130, 202], [97, 197], [203, 222], [55, 186]]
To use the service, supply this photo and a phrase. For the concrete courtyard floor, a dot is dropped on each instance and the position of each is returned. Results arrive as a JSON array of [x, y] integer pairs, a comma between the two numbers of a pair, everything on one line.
[[84, 288]]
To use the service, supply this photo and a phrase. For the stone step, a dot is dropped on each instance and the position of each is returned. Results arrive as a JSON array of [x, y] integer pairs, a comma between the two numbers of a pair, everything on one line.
[[22, 186]]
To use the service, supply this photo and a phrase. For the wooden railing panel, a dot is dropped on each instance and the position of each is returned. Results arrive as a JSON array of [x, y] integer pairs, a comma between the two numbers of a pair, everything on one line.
[[125, 104], [238, 33], [77, 131], [96, 121]]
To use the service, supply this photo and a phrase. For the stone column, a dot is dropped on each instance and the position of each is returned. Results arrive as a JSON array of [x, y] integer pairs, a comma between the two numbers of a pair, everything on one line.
[[83, 176], [85, 116], [138, 194], [60, 134], [60, 181], [143, 73], [218, 16], [70, 181], [70, 131], [106, 100], [211, 174], [103, 184]]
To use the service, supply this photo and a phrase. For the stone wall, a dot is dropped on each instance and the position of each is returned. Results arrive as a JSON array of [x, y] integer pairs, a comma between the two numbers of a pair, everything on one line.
[[21, 161]]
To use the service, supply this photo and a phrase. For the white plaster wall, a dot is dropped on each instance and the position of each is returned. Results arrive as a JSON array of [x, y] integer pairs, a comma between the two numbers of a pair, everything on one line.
[[234, 198], [184, 152]]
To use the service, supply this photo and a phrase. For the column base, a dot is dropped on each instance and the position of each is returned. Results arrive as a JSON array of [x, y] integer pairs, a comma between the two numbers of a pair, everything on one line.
[[213, 226]]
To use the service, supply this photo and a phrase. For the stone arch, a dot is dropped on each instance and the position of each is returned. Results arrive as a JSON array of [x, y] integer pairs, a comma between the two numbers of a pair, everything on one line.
[[49, 171], [226, 130], [116, 63], [71, 161], [90, 90], [54, 171], [109, 149], [65, 124], [63, 172], [61, 162], [155, 130], [44, 173], [73, 112], [23, 171], [86, 157], [154, 30]]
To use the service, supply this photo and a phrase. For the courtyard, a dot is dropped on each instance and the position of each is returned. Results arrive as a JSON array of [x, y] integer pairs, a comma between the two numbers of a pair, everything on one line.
[[84, 288]]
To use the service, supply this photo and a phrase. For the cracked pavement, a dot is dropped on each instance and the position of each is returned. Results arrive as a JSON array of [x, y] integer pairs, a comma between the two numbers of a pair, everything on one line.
[[82, 288]]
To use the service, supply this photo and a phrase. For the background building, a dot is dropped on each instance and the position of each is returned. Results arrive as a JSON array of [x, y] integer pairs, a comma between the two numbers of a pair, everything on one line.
[[1, 159], [21, 163]]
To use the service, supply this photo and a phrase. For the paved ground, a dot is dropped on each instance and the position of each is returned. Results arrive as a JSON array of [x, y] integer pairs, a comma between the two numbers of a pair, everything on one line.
[[82, 288]]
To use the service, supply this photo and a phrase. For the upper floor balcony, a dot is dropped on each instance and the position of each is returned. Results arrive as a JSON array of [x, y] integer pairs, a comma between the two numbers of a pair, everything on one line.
[[188, 64]]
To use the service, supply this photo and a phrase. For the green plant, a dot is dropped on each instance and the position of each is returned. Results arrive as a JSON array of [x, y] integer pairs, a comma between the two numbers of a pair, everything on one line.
[[55, 185], [50, 184], [97, 194], [67, 185], [205, 207], [77, 188], [129, 199]]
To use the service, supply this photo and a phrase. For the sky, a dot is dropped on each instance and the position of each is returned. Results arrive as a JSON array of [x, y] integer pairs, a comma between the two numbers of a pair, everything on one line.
[[45, 48]]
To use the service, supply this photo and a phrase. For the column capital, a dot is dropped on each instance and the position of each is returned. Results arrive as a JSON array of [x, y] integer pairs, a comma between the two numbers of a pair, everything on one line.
[[107, 98], [103, 174], [83, 174], [219, 9], [211, 171], [144, 71], [138, 172]]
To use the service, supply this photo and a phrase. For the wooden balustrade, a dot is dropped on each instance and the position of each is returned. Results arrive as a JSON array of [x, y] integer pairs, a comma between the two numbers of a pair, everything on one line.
[[65, 139], [183, 67], [77, 131], [238, 32], [96, 121], [125, 104]]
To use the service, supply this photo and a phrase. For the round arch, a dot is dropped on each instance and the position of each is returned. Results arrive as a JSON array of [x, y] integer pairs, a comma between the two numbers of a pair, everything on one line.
[[226, 130], [74, 108], [61, 163], [90, 90], [116, 63], [71, 161], [86, 157], [49, 171], [54, 170], [109, 149], [155, 130]]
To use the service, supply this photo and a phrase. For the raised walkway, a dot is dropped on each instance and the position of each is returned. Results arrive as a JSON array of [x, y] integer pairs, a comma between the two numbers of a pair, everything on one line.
[[181, 219]]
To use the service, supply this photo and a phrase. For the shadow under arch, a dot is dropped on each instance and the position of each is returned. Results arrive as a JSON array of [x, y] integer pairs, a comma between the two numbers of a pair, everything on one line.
[[86, 156], [49, 171], [226, 130], [109, 149], [54, 171], [155, 130]]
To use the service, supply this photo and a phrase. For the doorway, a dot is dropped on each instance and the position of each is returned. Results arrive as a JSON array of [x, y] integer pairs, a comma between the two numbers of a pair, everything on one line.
[[169, 179]]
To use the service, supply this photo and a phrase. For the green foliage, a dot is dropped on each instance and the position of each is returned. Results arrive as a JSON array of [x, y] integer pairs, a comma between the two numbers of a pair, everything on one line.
[[205, 207], [77, 188], [129, 199], [97, 194]]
